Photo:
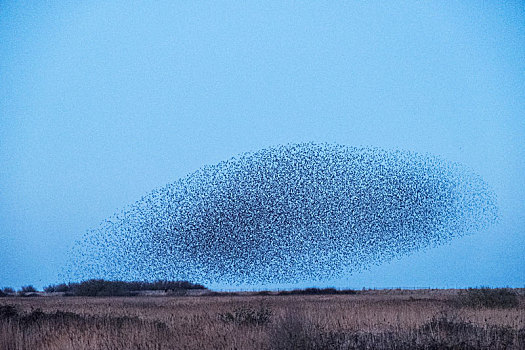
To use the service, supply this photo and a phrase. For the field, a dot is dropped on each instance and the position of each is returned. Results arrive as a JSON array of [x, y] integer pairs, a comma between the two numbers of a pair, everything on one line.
[[373, 319]]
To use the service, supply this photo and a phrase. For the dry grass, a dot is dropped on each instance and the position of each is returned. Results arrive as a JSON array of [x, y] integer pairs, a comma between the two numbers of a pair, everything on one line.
[[395, 319]]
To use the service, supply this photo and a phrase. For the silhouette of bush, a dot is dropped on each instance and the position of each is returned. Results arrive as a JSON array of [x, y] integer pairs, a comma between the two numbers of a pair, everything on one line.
[[263, 292], [57, 288], [95, 288], [221, 294], [28, 289], [163, 285], [488, 298], [100, 287], [8, 290]]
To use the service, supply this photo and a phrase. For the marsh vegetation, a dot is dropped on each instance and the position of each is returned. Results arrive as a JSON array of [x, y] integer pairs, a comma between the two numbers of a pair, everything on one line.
[[378, 319]]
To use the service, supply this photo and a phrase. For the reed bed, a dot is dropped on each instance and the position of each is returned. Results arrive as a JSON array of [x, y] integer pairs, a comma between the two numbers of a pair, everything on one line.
[[424, 319]]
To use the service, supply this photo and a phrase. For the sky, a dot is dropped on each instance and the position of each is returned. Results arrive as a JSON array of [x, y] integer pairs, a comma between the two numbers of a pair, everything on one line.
[[102, 102]]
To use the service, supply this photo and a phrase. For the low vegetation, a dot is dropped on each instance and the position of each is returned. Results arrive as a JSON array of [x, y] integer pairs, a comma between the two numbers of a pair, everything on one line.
[[370, 319], [99, 287], [488, 298], [50, 330], [443, 332], [247, 316], [28, 289]]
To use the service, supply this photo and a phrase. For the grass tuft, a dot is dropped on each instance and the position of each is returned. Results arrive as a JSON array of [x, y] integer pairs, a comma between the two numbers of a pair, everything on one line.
[[247, 316]]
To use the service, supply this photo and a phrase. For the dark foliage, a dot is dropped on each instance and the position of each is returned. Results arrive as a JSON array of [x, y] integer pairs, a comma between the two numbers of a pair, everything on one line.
[[28, 289], [247, 316], [221, 294], [264, 292], [99, 287], [488, 297], [95, 288], [62, 287], [7, 311]]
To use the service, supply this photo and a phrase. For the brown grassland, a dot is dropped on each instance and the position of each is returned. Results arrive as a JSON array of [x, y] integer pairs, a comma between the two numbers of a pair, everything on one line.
[[373, 319]]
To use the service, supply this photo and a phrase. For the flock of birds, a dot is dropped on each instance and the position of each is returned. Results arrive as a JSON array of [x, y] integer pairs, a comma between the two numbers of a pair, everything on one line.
[[292, 213]]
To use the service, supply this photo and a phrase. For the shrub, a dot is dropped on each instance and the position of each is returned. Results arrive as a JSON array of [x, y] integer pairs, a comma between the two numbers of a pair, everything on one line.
[[28, 289], [63, 288], [100, 287], [488, 297], [170, 285], [8, 290], [94, 288], [7, 311], [247, 316], [264, 292]]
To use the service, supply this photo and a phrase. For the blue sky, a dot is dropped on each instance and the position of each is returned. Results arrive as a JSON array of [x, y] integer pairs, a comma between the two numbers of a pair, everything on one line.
[[101, 102]]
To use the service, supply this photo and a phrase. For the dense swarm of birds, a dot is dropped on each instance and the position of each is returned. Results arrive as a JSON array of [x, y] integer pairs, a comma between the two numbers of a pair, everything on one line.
[[292, 213]]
